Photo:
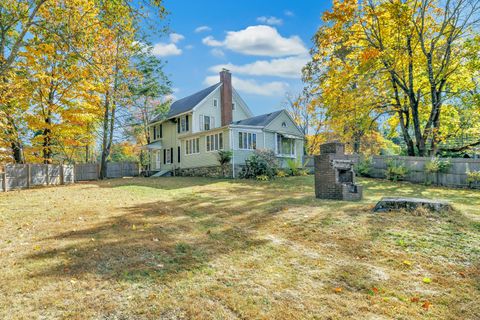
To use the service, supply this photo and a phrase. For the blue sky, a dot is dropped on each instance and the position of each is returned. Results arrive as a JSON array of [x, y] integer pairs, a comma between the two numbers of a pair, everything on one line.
[[264, 44]]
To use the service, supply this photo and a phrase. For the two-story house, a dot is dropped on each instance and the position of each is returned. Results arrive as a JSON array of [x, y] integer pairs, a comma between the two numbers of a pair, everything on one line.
[[217, 118]]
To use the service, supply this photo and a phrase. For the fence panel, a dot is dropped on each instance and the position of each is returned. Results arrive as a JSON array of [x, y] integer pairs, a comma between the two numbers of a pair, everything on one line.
[[86, 172], [54, 174], [16, 176], [38, 174], [68, 174]]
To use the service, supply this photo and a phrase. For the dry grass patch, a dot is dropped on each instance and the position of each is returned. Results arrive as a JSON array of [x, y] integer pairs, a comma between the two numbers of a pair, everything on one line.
[[192, 248]]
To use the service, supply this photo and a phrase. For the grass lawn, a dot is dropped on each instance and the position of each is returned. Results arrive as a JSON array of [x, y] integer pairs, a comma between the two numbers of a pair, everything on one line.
[[194, 248]]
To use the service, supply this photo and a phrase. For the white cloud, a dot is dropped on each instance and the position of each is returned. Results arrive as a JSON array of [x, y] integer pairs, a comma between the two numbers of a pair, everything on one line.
[[176, 37], [289, 13], [166, 49], [163, 49], [273, 21], [217, 52], [210, 41], [203, 29], [260, 41], [189, 47], [250, 86], [290, 67]]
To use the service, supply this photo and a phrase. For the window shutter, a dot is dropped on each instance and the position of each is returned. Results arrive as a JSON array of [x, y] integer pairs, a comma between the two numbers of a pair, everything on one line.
[[178, 125], [161, 131], [186, 120], [164, 156], [178, 154], [201, 123], [171, 155], [154, 132]]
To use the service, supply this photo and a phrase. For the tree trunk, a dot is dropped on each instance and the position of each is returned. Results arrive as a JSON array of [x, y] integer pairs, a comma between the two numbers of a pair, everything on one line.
[[105, 147]]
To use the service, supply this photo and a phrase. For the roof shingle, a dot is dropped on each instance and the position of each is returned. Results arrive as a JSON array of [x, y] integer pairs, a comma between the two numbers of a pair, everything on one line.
[[188, 103], [259, 121]]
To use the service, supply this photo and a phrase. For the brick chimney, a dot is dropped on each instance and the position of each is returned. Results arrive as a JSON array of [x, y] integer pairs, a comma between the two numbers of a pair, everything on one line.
[[226, 97]]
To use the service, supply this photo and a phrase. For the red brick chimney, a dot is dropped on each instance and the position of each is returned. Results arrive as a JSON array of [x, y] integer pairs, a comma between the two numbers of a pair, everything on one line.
[[226, 97]]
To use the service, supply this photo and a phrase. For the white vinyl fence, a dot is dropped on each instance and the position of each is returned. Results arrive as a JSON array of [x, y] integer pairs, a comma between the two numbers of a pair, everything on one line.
[[21, 176]]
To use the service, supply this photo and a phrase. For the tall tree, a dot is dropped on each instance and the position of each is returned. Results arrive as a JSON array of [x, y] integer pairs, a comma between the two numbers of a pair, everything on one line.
[[409, 53]]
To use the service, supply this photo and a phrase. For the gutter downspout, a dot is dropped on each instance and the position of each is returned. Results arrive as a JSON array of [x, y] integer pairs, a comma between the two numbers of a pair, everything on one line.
[[233, 152]]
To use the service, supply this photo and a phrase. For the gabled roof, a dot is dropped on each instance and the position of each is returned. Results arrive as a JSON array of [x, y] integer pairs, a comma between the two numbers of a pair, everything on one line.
[[188, 103], [258, 121]]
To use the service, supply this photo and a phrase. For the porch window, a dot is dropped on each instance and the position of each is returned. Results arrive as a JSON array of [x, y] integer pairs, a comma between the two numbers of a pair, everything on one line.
[[285, 145], [247, 140]]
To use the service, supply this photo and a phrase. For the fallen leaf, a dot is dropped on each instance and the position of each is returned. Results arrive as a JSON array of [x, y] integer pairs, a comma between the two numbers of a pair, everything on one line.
[[427, 280], [337, 290], [415, 299], [407, 263], [462, 274], [134, 227], [426, 305]]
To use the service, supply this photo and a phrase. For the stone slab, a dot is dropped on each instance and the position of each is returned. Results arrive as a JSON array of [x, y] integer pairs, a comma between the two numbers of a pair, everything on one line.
[[399, 203]]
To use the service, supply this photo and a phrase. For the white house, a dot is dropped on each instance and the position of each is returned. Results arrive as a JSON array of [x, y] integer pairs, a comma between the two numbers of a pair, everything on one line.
[[217, 118]]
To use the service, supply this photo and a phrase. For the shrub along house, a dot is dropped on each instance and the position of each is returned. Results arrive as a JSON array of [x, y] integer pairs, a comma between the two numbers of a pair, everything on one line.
[[213, 119]]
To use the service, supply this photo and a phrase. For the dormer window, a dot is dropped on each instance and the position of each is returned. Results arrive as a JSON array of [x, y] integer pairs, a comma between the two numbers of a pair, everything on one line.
[[284, 124], [215, 103]]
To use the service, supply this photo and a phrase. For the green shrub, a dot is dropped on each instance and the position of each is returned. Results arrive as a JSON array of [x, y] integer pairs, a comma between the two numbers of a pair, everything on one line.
[[224, 158], [294, 167], [282, 174], [473, 177], [261, 163], [364, 167], [262, 177], [435, 166], [396, 171], [303, 172]]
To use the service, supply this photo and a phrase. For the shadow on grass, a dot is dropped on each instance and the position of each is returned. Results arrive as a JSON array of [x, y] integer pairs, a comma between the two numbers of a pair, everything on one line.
[[158, 239]]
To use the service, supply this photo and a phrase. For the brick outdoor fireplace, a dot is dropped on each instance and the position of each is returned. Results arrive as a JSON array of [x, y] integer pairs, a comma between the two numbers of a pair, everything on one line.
[[334, 174]]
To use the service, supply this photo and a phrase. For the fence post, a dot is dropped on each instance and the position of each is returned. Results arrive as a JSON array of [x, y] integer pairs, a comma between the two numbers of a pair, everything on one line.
[[29, 176], [4, 181], [62, 181]]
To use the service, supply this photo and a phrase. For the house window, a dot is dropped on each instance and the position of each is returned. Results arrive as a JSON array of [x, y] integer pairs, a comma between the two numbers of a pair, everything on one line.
[[192, 146], [285, 146], [247, 140], [168, 156], [233, 106], [206, 122], [214, 142], [215, 103], [182, 124]]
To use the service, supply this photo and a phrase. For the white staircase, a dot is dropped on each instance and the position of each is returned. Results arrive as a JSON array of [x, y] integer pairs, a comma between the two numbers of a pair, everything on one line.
[[162, 173]]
